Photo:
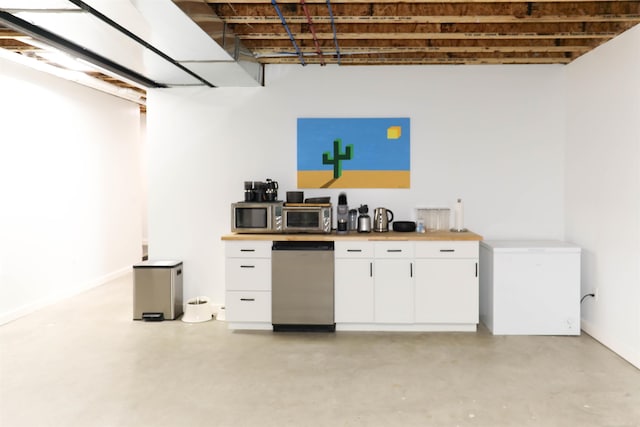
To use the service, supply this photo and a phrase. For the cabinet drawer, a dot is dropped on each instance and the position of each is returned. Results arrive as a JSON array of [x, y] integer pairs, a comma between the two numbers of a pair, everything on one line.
[[248, 274], [248, 249], [394, 249], [447, 249], [248, 306], [353, 250]]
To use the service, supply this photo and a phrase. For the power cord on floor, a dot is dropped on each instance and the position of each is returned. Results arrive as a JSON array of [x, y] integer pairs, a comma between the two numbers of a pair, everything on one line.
[[587, 295]]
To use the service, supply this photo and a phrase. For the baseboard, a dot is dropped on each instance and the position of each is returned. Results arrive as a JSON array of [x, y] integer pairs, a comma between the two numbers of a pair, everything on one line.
[[60, 296], [629, 354]]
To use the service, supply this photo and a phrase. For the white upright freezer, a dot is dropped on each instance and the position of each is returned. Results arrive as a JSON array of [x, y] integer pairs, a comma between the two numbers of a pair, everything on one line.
[[530, 287]]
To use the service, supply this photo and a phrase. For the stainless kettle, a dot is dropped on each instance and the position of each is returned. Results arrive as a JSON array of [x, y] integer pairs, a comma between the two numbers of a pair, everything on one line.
[[381, 219]]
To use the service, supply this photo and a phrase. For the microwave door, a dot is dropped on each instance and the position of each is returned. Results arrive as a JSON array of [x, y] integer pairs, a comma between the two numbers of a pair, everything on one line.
[[251, 218]]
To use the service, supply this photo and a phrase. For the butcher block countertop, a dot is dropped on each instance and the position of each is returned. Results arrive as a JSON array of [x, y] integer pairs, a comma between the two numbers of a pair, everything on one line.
[[373, 236]]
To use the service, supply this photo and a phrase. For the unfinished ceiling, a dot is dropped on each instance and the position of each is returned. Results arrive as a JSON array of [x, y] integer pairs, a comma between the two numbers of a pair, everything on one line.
[[137, 44], [386, 32]]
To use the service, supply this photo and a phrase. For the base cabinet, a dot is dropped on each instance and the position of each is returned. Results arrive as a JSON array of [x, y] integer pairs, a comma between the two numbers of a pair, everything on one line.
[[446, 283], [379, 285], [248, 284], [406, 286]]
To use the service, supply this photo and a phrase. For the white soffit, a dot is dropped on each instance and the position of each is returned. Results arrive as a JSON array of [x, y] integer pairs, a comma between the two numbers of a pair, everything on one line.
[[160, 23], [176, 34], [91, 33], [223, 74], [36, 4]]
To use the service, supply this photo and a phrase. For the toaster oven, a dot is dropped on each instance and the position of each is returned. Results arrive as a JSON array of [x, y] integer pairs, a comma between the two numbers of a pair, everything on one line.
[[306, 218]]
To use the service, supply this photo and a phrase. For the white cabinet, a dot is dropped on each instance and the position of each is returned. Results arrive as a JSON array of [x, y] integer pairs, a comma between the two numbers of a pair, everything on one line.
[[393, 278], [391, 285], [354, 287], [407, 285], [446, 283], [248, 284]]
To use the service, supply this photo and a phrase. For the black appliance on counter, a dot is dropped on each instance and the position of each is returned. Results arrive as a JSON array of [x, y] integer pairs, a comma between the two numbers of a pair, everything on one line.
[[258, 191]]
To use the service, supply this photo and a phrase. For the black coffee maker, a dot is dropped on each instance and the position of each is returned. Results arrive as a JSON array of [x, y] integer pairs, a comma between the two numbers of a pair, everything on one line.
[[271, 190], [258, 191]]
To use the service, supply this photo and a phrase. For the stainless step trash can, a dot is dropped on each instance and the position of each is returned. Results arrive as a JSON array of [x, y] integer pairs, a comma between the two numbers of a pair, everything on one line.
[[157, 290]]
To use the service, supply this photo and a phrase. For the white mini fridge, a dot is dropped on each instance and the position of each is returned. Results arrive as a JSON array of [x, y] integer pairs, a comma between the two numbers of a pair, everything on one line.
[[530, 287]]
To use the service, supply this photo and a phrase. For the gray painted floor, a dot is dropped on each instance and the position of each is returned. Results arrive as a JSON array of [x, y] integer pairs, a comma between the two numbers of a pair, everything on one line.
[[84, 362]]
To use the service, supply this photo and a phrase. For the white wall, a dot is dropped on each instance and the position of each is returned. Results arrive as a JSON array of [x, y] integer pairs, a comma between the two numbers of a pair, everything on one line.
[[492, 135], [603, 188], [69, 179]]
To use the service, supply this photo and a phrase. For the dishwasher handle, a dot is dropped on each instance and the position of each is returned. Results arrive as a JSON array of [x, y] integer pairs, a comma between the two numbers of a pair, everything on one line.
[[302, 246]]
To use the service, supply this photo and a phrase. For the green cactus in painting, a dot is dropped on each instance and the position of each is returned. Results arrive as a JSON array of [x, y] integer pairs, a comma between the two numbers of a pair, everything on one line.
[[338, 157]]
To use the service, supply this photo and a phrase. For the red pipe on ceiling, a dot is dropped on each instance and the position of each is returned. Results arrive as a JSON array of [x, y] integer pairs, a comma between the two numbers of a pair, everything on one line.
[[313, 32]]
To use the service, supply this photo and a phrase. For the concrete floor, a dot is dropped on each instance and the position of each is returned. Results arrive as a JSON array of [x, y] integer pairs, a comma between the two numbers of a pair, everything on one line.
[[84, 362]]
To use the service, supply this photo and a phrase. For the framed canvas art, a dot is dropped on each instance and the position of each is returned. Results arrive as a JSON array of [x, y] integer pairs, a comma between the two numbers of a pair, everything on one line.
[[354, 152]]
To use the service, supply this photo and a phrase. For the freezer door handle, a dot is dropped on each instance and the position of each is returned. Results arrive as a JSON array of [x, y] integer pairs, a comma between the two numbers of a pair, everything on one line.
[[247, 299]]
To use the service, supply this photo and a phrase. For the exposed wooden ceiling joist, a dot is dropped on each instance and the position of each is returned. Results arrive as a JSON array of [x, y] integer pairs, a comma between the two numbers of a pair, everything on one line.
[[400, 32], [494, 19]]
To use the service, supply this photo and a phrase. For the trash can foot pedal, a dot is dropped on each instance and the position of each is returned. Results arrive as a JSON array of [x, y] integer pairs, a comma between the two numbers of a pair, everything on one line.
[[153, 317]]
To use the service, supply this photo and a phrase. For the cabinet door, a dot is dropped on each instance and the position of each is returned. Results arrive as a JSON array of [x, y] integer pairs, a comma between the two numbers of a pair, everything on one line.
[[446, 291], [354, 290], [393, 291]]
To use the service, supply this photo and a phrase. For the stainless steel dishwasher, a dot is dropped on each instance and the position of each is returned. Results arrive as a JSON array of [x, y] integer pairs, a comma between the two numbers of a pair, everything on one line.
[[302, 286]]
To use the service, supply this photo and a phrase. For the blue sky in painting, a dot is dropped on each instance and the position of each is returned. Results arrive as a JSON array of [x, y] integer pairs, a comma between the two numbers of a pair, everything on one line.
[[371, 148]]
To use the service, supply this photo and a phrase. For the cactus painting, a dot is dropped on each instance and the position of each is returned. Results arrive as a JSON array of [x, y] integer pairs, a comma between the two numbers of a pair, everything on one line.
[[354, 153]]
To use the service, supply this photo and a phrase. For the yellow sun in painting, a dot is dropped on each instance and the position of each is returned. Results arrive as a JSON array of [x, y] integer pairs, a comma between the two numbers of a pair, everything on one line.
[[394, 132]]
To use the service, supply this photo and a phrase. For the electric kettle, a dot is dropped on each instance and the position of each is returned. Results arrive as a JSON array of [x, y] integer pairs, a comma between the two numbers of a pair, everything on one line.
[[381, 219]]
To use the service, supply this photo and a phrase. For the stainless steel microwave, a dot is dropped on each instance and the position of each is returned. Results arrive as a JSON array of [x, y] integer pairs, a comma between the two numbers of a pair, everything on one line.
[[248, 217], [306, 219]]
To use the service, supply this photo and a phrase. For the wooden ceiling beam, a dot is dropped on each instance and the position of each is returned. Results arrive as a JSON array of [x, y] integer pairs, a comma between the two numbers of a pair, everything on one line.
[[267, 52], [493, 19], [424, 61], [427, 36]]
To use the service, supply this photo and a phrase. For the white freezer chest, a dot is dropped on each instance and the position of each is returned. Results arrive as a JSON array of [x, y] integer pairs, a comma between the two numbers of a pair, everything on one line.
[[530, 287]]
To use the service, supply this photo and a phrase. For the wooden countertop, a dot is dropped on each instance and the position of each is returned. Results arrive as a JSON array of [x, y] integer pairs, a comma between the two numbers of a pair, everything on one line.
[[373, 236]]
